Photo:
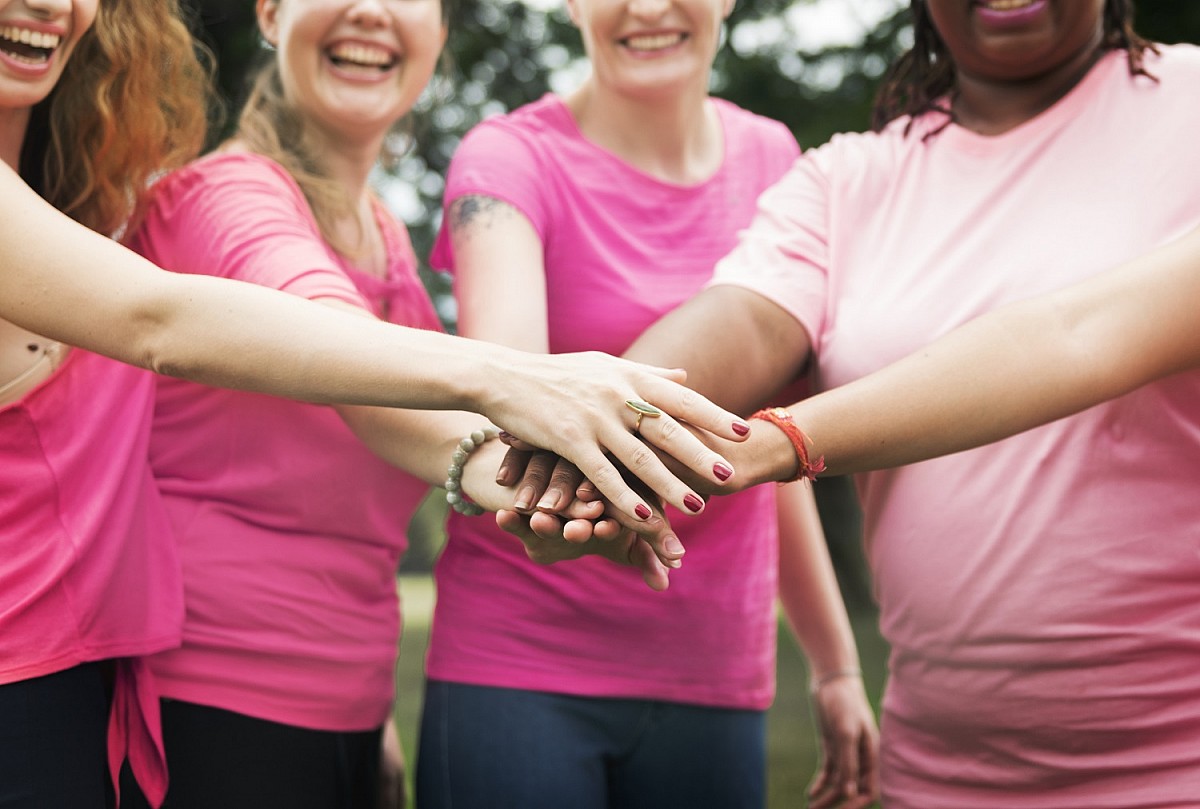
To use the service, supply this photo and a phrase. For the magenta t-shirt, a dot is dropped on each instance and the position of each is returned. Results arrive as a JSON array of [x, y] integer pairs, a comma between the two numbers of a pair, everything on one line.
[[87, 567], [1042, 594], [290, 530], [621, 249]]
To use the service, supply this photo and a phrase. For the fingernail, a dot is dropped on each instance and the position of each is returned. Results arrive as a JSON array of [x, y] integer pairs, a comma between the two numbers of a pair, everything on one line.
[[504, 435], [524, 499], [673, 546], [674, 564], [550, 500], [693, 503], [741, 428], [642, 511], [722, 471]]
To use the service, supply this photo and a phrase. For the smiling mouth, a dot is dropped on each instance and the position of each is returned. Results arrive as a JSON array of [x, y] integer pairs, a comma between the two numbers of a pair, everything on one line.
[[653, 42], [362, 57], [30, 47], [1005, 5]]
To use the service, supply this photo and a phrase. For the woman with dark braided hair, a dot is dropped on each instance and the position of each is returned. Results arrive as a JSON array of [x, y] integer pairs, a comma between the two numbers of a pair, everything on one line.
[[1039, 593]]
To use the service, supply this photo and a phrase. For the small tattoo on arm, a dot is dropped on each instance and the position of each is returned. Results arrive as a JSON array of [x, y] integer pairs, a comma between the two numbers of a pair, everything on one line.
[[474, 210]]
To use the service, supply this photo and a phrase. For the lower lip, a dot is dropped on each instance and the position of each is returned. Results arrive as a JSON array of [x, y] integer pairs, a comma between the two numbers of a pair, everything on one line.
[[364, 76], [638, 54], [24, 68], [1012, 18]]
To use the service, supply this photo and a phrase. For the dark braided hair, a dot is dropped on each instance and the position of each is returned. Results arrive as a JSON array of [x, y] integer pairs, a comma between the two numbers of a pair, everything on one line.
[[922, 79]]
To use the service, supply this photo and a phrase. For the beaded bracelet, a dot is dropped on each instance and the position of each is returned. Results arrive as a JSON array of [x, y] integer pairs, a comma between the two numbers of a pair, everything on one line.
[[455, 496], [817, 682], [782, 419]]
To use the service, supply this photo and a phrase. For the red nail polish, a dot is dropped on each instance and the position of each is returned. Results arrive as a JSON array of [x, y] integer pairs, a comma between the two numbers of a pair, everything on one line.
[[693, 503], [741, 428], [642, 511], [722, 471]]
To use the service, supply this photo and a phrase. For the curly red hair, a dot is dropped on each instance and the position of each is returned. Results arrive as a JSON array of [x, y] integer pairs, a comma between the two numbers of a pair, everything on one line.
[[132, 103]]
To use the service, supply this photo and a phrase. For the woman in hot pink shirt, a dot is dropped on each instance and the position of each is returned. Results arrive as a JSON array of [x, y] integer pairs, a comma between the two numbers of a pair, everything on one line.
[[572, 224], [1038, 593]]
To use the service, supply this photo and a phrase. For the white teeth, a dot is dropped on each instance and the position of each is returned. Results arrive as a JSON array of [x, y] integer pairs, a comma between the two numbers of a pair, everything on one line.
[[653, 42], [361, 54], [35, 39], [1007, 5]]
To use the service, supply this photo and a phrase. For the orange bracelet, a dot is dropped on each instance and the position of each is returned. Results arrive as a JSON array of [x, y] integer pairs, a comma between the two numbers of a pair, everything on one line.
[[781, 418]]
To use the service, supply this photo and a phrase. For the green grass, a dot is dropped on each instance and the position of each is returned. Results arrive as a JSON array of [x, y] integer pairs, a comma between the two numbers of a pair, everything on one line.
[[791, 737]]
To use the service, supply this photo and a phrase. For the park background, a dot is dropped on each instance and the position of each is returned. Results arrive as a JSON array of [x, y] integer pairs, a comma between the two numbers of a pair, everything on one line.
[[812, 64]]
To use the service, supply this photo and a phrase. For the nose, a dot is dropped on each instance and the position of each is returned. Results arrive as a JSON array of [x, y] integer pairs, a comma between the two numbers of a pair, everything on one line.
[[49, 9], [648, 9], [369, 13]]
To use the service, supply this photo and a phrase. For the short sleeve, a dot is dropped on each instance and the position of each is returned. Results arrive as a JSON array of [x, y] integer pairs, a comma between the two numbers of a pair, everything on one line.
[[242, 217], [784, 254], [493, 160]]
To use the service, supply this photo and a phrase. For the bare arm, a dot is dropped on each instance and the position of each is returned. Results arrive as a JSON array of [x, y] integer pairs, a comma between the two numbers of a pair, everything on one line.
[[1018, 367], [73, 285], [815, 611], [737, 347]]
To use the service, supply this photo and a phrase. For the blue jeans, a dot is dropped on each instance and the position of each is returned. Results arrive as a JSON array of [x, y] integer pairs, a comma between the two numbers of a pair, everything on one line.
[[498, 748]]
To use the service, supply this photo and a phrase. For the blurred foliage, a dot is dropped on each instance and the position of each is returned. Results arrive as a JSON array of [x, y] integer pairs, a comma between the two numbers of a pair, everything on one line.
[[502, 54]]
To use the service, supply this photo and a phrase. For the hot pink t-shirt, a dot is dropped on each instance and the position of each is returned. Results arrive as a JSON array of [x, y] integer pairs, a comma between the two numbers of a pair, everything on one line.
[[290, 530], [621, 249], [1040, 594], [87, 567]]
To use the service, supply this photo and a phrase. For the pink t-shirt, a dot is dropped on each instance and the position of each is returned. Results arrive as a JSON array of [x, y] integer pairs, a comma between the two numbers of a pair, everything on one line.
[[290, 530], [1040, 594], [621, 249], [87, 567]]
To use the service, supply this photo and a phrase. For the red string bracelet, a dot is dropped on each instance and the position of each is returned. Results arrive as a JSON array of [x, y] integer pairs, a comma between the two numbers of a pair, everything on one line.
[[781, 418]]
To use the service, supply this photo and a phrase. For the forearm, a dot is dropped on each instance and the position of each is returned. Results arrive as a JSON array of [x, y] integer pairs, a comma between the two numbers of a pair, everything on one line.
[[736, 346], [84, 289], [808, 588], [1018, 367]]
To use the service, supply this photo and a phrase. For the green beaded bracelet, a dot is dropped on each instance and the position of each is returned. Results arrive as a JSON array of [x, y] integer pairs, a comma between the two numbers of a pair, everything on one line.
[[455, 496]]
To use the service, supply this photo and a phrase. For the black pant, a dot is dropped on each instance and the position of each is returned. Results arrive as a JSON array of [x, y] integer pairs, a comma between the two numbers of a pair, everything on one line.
[[52, 741], [226, 760]]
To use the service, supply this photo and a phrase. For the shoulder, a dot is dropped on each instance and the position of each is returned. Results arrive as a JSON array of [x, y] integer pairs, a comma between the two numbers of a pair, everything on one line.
[[743, 123], [532, 129], [209, 180], [1171, 61]]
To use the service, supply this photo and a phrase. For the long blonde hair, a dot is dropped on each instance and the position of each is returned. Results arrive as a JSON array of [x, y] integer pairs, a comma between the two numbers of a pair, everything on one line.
[[132, 102], [270, 126]]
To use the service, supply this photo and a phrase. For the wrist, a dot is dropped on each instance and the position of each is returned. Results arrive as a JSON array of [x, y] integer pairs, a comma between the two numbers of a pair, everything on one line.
[[819, 681], [456, 473], [800, 464]]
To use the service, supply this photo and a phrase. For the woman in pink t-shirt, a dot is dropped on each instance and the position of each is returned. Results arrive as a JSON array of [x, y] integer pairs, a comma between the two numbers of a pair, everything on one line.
[[290, 518], [572, 224], [89, 578], [1038, 593]]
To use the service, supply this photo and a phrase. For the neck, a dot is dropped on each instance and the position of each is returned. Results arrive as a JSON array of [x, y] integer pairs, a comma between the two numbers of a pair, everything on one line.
[[348, 162], [13, 125], [992, 107], [675, 137]]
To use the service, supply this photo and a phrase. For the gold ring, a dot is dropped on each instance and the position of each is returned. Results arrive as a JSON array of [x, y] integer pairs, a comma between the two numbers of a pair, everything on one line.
[[642, 409]]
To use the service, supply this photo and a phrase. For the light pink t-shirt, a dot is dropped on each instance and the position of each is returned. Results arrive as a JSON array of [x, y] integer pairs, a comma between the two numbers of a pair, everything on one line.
[[1041, 595], [621, 249], [87, 567], [290, 530]]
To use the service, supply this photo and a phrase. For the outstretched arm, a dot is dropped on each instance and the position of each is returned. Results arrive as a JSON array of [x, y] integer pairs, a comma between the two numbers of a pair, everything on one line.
[[66, 282], [1018, 367]]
